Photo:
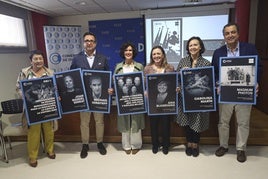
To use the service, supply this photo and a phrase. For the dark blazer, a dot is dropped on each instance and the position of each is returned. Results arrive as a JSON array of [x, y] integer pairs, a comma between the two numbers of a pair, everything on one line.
[[244, 50], [80, 61]]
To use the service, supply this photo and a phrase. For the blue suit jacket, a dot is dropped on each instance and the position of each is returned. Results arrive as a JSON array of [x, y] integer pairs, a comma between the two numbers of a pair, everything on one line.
[[80, 61], [245, 49]]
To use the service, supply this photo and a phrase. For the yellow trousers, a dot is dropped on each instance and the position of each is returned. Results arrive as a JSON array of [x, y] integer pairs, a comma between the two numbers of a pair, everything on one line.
[[34, 133]]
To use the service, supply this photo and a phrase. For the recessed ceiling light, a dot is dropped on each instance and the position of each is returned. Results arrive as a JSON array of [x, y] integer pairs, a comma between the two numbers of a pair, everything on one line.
[[80, 3]]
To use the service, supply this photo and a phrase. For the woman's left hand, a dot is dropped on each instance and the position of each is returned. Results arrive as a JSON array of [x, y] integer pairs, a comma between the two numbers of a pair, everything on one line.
[[110, 91], [178, 89]]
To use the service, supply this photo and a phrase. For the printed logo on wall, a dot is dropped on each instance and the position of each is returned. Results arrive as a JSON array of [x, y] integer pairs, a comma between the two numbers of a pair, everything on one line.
[[62, 43], [111, 34]]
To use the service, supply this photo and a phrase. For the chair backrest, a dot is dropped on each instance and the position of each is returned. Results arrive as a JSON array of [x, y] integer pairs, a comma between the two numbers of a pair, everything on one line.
[[12, 106], [12, 125]]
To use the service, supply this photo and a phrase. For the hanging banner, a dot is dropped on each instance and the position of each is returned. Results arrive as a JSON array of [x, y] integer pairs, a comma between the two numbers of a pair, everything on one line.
[[111, 34], [62, 43]]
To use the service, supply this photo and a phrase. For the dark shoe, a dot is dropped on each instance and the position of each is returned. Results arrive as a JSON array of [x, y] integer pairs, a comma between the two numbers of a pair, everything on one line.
[[221, 151], [155, 149], [165, 150], [33, 163], [188, 150], [195, 151], [241, 156], [128, 152], [134, 151], [101, 148], [85, 149], [53, 156]]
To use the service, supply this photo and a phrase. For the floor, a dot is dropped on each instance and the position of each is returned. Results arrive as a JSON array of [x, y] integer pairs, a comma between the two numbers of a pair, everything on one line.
[[143, 165]]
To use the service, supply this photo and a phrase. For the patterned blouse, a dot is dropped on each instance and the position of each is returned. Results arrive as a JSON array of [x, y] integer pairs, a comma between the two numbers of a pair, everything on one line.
[[197, 121]]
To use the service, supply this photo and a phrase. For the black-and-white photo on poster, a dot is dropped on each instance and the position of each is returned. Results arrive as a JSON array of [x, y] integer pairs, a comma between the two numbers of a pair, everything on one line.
[[129, 89], [167, 33], [71, 91], [40, 100], [198, 89], [238, 78], [97, 84], [162, 95]]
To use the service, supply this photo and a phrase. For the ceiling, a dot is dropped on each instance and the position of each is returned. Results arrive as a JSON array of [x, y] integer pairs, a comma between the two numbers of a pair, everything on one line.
[[55, 8]]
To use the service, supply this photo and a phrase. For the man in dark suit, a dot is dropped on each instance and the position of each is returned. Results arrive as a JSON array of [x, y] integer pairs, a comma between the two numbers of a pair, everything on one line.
[[89, 59], [233, 48]]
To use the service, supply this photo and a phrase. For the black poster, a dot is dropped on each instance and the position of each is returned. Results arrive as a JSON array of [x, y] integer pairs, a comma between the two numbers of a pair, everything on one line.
[[198, 89], [71, 91], [40, 100], [238, 79], [96, 85], [129, 89], [162, 95]]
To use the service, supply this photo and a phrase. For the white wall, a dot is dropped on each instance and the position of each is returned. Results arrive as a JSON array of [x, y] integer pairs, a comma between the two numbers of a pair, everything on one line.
[[11, 64], [83, 19]]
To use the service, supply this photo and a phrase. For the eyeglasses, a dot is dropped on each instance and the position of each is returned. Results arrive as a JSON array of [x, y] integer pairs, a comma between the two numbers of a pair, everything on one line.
[[89, 41]]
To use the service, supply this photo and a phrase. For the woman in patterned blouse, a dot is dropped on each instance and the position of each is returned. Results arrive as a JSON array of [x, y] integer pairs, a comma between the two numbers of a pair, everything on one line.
[[194, 122]]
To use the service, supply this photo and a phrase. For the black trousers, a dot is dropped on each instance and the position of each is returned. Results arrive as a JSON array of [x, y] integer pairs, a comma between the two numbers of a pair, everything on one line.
[[164, 123], [191, 135]]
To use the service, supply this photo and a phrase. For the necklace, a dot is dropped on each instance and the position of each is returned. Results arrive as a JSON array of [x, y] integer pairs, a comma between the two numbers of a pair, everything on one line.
[[194, 63], [158, 69]]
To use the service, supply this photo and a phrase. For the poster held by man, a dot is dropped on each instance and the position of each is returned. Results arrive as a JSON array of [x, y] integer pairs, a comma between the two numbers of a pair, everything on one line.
[[96, 85], [71, 91], [40, 100], [198, 89], [162, 96], [238, 78], [130, 93]]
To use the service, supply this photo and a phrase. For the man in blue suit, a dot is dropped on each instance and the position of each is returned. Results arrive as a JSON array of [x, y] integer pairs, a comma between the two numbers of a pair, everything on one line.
[[89, 59], [233, 48]]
